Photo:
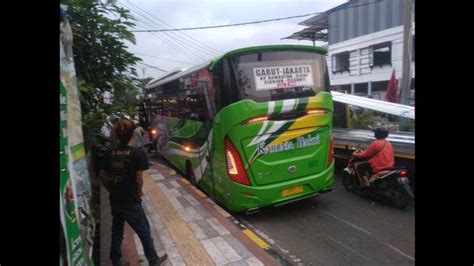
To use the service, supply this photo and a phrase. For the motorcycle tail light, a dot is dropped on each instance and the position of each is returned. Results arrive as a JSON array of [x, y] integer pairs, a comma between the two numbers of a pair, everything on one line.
[[403, 173]]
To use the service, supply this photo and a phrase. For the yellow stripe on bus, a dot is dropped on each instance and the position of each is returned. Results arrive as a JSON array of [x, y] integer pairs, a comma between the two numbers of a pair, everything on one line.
[[299, 123]]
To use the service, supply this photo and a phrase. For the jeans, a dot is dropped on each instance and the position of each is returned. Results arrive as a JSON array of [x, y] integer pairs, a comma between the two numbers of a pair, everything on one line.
[[365, 169], [135, 216]]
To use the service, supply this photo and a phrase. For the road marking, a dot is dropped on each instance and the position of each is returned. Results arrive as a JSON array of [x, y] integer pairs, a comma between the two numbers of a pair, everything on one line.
[[347, 222], [281, 254], [345, 246], [400, 252], [255, 239], [369, 233]]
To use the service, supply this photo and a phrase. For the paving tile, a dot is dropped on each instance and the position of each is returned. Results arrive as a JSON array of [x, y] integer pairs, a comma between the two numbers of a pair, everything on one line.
[[175, 184], [191, 200], [214, 252], [252, 261], [229, 253], [207, 228], [174, 256], [194, 214], [198, 232], [237, 246], [157, 177], [238, 263], [217, 226], [183, 201]]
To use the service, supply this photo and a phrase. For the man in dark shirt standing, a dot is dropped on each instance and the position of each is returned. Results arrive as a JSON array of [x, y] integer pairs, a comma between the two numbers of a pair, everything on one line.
[[124, 182]]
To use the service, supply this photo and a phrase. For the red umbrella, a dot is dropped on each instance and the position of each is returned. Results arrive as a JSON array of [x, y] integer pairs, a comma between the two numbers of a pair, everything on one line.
[[392, 95]]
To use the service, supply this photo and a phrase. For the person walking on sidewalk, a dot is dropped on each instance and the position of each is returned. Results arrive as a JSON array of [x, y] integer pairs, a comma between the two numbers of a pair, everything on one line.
[[139, 137], [124, 182]]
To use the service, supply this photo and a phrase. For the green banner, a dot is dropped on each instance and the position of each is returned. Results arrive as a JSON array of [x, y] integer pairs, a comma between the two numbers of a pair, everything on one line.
[[77, 224], [68, 208]]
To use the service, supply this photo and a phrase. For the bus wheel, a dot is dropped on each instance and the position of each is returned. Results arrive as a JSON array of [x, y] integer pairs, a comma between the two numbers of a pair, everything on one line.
[[190, 173], [157, 147]]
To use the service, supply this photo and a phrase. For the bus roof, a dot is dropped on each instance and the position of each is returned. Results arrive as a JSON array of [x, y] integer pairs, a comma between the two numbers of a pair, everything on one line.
[[166, 79], [213, 62], [268, 47]]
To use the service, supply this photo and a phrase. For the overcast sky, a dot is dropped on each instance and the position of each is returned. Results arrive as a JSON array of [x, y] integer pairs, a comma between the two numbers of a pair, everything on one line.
[[193, 47]]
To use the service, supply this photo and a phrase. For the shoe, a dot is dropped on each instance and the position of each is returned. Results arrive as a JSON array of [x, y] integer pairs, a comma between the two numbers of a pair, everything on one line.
[[159, 261], [163, 259]]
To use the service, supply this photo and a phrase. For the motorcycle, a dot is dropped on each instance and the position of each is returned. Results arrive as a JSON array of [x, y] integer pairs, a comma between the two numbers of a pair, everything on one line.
[[390, 186]]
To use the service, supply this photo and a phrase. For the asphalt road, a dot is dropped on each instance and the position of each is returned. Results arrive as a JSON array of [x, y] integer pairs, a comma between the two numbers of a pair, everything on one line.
[[339, 228]]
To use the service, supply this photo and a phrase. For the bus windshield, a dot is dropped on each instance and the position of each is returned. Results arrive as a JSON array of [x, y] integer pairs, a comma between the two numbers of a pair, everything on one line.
[[277, 75]]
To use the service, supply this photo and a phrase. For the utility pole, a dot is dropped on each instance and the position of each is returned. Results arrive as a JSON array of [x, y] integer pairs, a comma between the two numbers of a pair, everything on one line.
[[406, 74]]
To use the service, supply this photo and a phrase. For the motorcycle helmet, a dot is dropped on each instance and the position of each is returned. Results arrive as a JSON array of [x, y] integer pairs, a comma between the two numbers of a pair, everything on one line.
[[380, 133]]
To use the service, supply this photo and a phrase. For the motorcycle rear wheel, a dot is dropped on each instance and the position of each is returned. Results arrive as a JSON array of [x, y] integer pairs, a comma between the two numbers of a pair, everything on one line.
[[400, 199]]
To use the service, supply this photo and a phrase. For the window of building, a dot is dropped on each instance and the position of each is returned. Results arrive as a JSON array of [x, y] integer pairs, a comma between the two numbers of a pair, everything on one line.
[[381, 54], [340, 62], [361, 89]]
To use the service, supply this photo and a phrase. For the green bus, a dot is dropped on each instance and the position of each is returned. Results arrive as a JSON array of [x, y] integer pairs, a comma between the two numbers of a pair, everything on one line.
[[252, 128]]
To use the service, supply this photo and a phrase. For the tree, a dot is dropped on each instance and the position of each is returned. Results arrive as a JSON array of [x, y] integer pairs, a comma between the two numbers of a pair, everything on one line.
[[102, 65], [363, 120], [102, 62]]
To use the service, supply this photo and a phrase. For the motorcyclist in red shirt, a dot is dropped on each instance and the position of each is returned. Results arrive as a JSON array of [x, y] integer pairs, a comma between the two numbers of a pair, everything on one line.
[[379, 155]]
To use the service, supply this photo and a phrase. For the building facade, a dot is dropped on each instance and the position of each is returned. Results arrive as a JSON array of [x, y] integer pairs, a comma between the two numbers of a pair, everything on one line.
[[365, 44]]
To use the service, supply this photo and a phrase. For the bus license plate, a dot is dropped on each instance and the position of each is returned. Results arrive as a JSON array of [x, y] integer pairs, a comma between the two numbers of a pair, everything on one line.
[[292, 190]]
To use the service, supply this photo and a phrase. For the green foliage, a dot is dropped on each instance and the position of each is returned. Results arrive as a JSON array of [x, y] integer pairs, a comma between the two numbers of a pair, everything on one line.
[[102, 62], [408, 126], [363, 120]]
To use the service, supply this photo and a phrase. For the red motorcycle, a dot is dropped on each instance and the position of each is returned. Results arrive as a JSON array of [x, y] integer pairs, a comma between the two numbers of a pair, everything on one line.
[[390, 186]]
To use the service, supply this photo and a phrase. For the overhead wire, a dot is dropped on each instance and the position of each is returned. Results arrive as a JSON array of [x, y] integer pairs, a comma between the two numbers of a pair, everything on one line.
[[206, 46], [228, 25], [176, 41], [166, 39], [166, 59], [251, 22], [155, 67]]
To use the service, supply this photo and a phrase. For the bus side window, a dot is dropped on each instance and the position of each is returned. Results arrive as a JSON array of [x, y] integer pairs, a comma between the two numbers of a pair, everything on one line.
[[193, 107], [205, 102], [170, 100]]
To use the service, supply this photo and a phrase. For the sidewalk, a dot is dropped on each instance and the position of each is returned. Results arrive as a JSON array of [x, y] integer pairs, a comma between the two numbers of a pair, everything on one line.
[[186, 225]]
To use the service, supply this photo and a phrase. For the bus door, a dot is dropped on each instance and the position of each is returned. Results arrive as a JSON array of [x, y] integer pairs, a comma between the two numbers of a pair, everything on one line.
[[206, 112]]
